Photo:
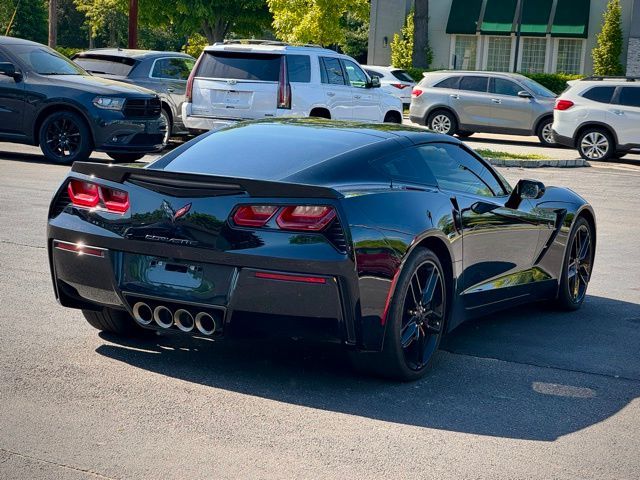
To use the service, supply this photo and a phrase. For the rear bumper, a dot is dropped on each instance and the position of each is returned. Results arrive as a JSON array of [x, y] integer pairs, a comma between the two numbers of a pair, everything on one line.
[[201, 122], [563, 140]]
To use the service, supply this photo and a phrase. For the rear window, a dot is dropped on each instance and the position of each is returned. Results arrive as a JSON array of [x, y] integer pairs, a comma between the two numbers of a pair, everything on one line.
[[600, 94], [299, 68], [104, 65], [451, 82], [402, 76], [240, 66], [630, 96]]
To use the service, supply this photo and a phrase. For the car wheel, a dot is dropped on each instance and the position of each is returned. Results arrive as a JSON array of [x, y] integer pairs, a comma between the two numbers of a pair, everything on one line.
[[167, 120], [393, 117], [125, 157], [118, 322], [577, 267], [596, 144], [442, 122], [545, 133], [65, 138], [415, 321], [462, 134]]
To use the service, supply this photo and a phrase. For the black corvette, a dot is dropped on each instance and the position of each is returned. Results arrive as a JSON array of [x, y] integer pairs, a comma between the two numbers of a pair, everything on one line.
[[379, 237]]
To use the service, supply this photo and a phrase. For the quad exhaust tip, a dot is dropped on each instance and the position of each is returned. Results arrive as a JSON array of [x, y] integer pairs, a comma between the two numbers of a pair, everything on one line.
[[184, 320], [142, 313], [205, 323], [163, 316]]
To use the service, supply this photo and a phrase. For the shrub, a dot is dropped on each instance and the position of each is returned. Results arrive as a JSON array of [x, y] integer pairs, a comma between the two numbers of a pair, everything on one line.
[[68, 51], [606, 55], [195, 45], [402, 45]]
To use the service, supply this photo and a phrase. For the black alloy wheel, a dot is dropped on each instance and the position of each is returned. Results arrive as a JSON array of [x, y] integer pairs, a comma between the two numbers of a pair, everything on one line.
[[65, 138], [578, 266]]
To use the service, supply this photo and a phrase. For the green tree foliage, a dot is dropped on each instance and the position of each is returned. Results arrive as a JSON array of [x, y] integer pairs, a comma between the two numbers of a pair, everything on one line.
[[402, 45], [356, 39], [606, 55], [30, 20], [316, 21], [72, 31]]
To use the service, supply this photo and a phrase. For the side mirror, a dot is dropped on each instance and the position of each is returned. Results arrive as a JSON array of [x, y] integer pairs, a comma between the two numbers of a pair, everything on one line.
[[524, 94], [8, 69], [525, 190], [375, 83]]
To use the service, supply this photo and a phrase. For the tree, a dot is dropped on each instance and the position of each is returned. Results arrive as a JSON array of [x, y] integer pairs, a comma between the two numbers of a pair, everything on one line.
[[356, 39], [53, 23], [106, 17], [30, 21], [606, 55], [315, 21], [402, 45], [421, 51]]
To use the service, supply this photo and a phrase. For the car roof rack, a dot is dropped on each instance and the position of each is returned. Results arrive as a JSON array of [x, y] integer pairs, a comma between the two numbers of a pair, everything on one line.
[[275, 43], [599, 78]]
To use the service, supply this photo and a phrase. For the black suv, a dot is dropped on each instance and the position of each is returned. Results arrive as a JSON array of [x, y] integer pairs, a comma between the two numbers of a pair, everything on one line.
[[47, 100]]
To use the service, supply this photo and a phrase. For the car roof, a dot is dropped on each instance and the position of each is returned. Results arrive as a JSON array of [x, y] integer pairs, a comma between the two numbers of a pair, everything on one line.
[[380, 68], [17, 41], [274, 47], [132, 53], [475, 72]]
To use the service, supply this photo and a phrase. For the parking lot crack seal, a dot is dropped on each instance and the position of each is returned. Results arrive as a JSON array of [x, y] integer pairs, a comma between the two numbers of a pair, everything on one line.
[[60, 465], [22, 244]]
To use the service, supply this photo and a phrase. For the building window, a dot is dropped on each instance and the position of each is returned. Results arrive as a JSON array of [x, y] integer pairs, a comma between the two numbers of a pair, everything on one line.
[[465, 52], [569, 56], [499, 54], [533, 55]]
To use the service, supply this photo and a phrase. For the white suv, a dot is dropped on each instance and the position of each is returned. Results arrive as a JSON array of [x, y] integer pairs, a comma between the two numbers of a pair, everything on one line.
[[235, 81], [600, 116]]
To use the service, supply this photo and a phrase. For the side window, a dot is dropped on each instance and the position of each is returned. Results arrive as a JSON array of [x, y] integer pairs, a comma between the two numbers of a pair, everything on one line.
[[331, 71], [373, 74], [457, 170], [172, 68], [357, 78], [299, 68], [4, 58], [474, 84], [600, 94], [630, 96], [500, 86], [405, 166], [451, 82]]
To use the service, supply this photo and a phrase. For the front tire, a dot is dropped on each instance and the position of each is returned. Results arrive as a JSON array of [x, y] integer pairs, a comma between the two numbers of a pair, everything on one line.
[[545, 133], [125, 157], [113, 321], [577, 266], [65, 138], [443, 122], [596, 144], [167, 120], [393, 117]]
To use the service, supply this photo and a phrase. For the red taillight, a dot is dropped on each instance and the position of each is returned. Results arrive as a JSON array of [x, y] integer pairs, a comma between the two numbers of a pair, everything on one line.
[[87, 194], [564, 104], [115, 200], [254, 215], [284, 88], [399, 86], [305, 217], [79, 248], [189, 90], [416, 92], [83, 194], [287, 277]]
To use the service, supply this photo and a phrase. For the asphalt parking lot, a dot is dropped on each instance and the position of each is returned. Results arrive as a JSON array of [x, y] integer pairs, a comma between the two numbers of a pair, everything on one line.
[[530, 393]]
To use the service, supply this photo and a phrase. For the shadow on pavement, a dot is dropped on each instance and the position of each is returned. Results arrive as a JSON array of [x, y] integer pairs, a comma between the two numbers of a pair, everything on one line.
[[462, 393]]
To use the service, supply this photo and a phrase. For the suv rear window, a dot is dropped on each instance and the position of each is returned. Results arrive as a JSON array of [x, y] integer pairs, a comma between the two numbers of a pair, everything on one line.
[[451, 82], [402, 76], [600, 94], [240, 66], [630, 96], [106, 65]]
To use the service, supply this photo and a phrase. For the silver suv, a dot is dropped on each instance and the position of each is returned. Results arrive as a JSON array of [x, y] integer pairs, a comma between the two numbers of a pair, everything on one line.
[[456, 102]]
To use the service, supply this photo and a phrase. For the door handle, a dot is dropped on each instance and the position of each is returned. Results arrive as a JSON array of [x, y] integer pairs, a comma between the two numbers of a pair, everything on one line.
[[496, 100], [171, 90], [457, 97], [358, 97], [331, 94], [617, 112]]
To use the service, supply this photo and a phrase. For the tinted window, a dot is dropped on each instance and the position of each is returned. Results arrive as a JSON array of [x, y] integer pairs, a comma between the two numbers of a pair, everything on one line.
[[500, 86], [630, 96], [240, 66], [402, 76], [373, 74], [474, 84], [600, 94], [357, 78], [45, 61], [451, 82], [455, 169], [299, 68], [405, 166], [172, 68], [105, 65], [4, 59], [332, 71]]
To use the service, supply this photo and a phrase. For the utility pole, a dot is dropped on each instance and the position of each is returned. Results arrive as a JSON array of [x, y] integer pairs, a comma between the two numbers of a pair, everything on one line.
[[518, 34], [53, 23], [133, 23]]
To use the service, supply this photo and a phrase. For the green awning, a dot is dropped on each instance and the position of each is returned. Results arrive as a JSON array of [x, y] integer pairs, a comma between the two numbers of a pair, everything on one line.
[[571, 19], [498, 17], [535, 17], [464, 16]]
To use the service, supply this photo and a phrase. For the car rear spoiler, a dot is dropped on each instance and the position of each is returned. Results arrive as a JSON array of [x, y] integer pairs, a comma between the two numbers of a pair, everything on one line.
[[198, 185]]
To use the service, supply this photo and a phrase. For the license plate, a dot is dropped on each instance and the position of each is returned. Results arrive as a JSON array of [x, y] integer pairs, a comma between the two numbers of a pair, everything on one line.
[[232, 98], [161, 272]]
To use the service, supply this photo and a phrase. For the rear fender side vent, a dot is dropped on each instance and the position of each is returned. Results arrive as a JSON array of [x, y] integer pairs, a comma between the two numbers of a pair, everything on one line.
[[337, 237], [61, 202]]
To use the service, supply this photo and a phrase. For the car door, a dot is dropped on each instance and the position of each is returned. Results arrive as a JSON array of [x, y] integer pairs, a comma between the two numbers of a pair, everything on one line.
[[499, 241], [624, 115], [337, 92], [169, 77], [366, 101], [12, 106], [472, 101], [508, 110]]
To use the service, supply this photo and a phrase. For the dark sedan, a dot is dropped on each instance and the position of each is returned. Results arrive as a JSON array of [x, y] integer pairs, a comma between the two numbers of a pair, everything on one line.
[[382, 238], [47, 100], [165, 73]]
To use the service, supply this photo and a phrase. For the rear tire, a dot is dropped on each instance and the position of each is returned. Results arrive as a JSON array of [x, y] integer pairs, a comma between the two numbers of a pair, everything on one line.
[[443, 122], [113, 321], [596, 144], [125, 157], [393, 117], [545, 133], [65, 138], [167, 119], [462, 134]]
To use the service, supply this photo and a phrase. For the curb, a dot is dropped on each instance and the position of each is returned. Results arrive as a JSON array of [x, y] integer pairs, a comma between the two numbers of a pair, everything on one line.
[[575, 163]]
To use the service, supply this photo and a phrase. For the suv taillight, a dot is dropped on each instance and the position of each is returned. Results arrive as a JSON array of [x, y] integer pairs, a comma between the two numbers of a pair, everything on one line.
[[416, 92], [189, 90], [284, 88], [91, 195], [399, 86], [563, 105]]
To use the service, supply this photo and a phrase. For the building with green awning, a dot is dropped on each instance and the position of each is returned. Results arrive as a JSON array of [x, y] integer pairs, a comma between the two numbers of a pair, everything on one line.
[[555, 35]]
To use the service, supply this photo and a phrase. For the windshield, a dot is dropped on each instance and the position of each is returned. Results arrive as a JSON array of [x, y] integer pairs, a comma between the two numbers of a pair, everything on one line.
[[45, 61], [537, 89]]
